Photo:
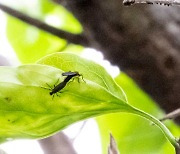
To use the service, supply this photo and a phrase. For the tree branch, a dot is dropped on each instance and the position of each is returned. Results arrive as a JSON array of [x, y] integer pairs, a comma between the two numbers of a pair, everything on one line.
[[177, 150], [71, 38], [172, 115], [161, 2]]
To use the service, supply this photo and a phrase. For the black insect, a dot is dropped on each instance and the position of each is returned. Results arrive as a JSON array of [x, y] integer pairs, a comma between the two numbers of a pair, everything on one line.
[[61, 85]]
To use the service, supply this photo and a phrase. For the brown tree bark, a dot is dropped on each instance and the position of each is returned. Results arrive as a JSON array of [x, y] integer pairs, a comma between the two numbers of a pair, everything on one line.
[[143, 41]]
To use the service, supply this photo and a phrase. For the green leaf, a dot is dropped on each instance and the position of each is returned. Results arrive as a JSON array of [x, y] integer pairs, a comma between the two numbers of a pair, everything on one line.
[[59, 16], [30, 43], [64, 20], [92, 71], [27, 110], [133, 134]]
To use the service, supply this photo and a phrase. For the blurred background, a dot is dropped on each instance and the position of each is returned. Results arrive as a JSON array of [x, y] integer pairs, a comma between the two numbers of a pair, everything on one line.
[[139, 47]]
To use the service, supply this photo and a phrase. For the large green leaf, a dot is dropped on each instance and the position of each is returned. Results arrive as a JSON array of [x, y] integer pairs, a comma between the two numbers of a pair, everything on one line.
[[92, 72], [27, 109]]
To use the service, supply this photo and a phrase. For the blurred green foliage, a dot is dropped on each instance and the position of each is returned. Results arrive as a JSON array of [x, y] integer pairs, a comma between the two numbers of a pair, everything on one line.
[[30, 43], [133, 134]]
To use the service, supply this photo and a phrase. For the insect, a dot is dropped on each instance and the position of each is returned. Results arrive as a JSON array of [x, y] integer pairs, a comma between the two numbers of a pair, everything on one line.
[[61, 85]]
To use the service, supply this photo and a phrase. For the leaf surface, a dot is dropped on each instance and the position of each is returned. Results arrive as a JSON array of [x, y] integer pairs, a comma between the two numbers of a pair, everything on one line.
[[27, 110]]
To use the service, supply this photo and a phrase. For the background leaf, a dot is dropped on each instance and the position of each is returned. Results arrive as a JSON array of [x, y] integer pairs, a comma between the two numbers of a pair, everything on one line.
[[30, 43], [132, 133]]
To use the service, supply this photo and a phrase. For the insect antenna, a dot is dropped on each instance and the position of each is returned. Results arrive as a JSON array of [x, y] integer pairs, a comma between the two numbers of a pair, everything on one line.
[[49, 86], [56, 82]]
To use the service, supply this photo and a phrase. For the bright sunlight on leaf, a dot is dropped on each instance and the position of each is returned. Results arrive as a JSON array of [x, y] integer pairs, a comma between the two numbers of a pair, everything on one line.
[[29, 111]]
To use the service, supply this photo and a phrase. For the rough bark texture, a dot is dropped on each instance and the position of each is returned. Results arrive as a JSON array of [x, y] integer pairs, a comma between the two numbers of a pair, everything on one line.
[[143, 40]]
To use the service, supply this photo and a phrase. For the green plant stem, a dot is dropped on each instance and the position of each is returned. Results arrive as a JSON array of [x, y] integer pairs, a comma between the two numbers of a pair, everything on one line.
[[163, 128]]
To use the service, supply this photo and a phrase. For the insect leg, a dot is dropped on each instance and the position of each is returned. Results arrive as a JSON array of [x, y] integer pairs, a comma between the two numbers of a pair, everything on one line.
[[45, 88], [49, 86], [52, 96], [78, 79], [82, 78], [56, 82], [57, 94]]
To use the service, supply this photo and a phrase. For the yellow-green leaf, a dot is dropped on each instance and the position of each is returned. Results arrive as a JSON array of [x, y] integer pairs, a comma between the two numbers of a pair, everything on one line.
[[27, 110]]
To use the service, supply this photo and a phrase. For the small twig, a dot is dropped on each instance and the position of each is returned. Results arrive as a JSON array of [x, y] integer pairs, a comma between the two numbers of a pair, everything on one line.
[[161, 2], [72, 38], [177, 149], [172, 115], [112, 148]]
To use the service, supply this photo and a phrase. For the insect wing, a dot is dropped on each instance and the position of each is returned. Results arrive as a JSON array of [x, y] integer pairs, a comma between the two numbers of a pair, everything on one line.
[[69, 73]]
